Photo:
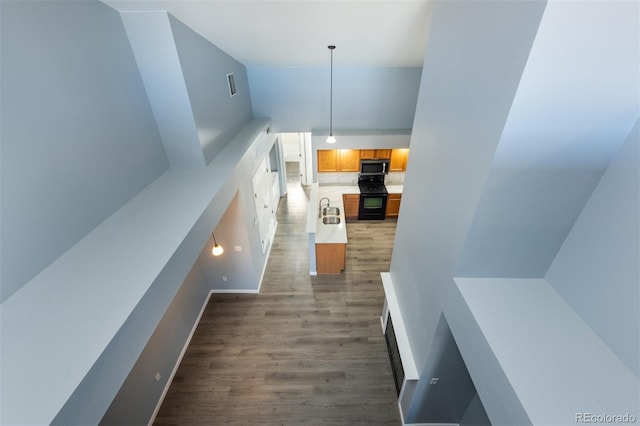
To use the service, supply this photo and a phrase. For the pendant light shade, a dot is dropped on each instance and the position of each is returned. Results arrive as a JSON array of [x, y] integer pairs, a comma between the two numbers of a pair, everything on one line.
[[217, 249], [331, 138]]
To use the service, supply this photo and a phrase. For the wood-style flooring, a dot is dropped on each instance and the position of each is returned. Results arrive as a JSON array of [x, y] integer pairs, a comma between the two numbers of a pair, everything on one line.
[[306, 350]]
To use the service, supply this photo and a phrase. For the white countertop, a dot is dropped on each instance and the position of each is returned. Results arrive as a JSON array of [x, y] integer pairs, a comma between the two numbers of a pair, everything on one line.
[[394, 189], [342, 189], [328, 234]]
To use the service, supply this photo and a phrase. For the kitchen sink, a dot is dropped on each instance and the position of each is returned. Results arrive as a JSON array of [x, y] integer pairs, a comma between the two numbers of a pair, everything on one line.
[[331, 211], [331, 220]]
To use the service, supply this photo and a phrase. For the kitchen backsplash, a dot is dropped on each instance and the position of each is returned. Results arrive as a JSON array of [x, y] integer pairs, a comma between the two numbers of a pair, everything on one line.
[[393, 178]]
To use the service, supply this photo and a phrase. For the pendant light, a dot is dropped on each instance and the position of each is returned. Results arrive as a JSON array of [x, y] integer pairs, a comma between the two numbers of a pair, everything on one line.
[[217, 249], [331, 138]]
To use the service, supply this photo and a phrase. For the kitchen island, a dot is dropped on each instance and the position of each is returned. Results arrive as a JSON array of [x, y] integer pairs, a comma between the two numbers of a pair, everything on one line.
[[328, 242]]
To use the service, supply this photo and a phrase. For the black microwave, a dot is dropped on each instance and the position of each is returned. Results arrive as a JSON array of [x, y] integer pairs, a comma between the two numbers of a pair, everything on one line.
[[374, 167]]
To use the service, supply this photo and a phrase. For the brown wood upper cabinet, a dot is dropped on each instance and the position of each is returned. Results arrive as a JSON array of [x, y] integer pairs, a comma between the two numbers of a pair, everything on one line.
[[327, 160], [399, 158], [367, 154], [338, 160], [348, 160]]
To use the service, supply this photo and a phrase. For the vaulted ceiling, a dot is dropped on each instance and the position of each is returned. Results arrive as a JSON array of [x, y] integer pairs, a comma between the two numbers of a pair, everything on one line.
[[268, 33]]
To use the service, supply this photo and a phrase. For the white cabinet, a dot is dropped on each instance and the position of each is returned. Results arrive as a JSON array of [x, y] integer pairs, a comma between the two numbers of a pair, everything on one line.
[[265, 204]]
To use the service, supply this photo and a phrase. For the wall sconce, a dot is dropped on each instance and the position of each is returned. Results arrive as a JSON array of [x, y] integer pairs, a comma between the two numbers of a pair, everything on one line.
[[217, 249]]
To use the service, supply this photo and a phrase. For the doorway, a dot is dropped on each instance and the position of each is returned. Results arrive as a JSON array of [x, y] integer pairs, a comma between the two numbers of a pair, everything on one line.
[[297, 156]]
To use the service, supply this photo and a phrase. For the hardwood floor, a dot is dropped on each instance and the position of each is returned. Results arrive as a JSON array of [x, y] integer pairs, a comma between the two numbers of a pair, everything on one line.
[[306, 350]]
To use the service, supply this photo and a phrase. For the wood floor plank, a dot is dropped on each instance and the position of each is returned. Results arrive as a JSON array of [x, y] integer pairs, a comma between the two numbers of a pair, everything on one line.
[[305, 351]]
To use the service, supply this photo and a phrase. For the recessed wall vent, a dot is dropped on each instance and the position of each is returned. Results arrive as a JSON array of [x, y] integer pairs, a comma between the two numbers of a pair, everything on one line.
[[232, 85]]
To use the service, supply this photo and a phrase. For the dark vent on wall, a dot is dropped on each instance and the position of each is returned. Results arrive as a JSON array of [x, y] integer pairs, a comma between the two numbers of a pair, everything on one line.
[[232, 84]]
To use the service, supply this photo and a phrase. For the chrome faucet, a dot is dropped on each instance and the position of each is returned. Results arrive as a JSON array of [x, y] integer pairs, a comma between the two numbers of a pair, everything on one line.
[[320, 205]]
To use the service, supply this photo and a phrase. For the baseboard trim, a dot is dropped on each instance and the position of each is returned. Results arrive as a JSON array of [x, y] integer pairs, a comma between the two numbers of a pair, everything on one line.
[[235, 290], [431, 424], [401, 416], [175, 367]]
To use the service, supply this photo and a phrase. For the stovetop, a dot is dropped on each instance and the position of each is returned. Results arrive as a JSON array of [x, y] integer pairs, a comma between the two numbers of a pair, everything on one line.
[[372, 184], [364, 189]]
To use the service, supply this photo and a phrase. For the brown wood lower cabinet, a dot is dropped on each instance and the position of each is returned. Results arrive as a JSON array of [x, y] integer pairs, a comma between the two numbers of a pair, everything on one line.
[[330, 258], [393, 205], [351, 203]]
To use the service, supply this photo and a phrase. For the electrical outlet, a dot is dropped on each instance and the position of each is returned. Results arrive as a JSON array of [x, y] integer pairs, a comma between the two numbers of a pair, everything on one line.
[[434, 380], [158, 376], [237, 248], [224, 279]]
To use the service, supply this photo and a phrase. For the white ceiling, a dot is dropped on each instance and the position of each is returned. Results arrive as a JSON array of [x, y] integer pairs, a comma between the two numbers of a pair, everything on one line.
[[292, 33]]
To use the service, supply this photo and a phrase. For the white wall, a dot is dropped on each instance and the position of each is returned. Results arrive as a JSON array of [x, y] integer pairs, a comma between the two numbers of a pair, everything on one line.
[[78, 136], [575, 104], [231, 231], [462, 107], [210, 191], [218, 116], [87, 172], [139, 394], [155, 51], [297, 99], [291, 144], [597, 270], [485, 195], [234, 227], [449, 399]]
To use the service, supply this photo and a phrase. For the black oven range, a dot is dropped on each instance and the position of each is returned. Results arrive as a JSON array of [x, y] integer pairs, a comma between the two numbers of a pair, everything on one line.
[[373, 197]]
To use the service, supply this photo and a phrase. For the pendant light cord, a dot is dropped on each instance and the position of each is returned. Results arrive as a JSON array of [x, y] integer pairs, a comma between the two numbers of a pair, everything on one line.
[[331, 93], [331, 96]]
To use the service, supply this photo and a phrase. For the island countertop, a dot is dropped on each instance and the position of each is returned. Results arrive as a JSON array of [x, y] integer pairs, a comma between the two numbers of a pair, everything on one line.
[[328, 234]]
